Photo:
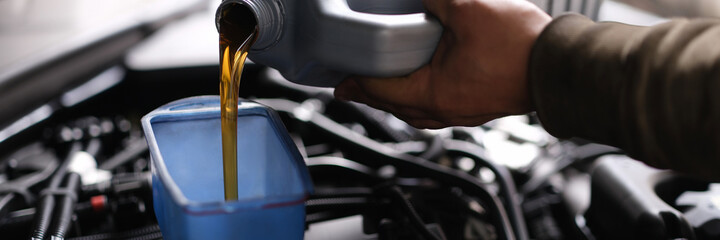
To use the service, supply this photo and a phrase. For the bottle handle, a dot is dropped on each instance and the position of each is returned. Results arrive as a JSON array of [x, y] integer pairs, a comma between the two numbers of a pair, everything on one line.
[[383, 44]]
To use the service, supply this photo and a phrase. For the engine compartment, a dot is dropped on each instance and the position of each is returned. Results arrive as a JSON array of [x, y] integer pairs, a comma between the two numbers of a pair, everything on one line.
[[374, 176]]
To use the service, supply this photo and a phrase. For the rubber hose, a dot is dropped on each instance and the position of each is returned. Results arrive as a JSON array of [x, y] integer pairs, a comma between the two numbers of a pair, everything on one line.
[[65, 207], [503, 177], [149, 232], [42, 218], [377, 153], [47, 202], [415, 219]]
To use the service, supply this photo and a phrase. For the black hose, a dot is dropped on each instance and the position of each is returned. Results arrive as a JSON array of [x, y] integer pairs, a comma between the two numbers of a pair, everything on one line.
[[341, 163], [149, 236], [94, 146], [131, 152], [341, 192], [317, 217], [574, 157], [66, 205], [26, 216], [47, 201], [377, 119], [324, 204], [377, 154], [502, 176], [415, 220], [332, 203], [143, 233], [42, 218], [434, 149]]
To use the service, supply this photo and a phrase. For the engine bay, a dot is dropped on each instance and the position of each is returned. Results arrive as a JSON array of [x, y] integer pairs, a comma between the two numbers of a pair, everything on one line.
[[375, 177]]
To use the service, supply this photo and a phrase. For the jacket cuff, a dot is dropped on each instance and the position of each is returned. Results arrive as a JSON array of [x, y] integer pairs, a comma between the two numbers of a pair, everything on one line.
[[550, 77]]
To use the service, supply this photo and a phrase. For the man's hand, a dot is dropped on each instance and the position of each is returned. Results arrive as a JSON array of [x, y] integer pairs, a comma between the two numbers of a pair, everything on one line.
[[478, 72]]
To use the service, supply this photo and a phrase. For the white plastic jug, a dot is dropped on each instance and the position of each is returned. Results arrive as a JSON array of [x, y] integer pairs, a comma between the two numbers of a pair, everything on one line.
[[321, 42]]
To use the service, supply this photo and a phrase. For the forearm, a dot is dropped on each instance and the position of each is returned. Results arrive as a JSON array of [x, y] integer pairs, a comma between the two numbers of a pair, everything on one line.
[[652, 91]]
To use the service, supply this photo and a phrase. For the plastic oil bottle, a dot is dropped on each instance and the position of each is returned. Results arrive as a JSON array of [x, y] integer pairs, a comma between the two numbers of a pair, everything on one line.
[[320, 42]]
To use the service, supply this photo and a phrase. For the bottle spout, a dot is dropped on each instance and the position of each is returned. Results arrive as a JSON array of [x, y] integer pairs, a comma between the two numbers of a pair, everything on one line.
[[263, 16]]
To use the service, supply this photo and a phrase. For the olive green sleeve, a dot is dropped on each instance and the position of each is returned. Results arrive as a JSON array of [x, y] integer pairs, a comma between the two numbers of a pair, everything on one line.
[[652, 91]]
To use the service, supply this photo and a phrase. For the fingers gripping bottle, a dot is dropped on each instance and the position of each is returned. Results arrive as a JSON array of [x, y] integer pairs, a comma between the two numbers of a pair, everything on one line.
[[321, 42]]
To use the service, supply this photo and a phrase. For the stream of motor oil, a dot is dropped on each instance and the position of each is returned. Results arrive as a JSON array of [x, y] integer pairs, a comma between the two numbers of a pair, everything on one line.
[[237, 35]]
